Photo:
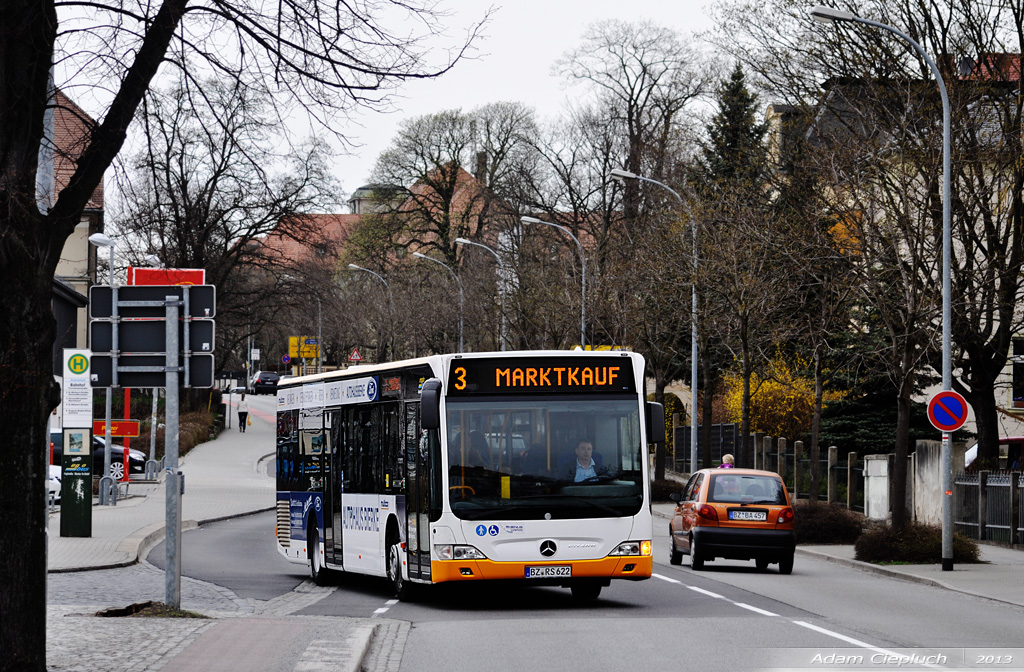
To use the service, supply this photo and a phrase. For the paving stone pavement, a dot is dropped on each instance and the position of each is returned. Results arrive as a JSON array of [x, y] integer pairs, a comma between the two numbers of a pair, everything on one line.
[[224, 478]]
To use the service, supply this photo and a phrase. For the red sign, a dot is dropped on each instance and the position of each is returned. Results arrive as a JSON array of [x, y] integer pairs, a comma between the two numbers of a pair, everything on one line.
[[947, 411], [354, 356], [117, 428], [166, 276]]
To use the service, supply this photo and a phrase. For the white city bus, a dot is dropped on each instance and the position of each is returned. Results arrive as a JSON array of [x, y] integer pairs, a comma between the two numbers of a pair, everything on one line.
[[461, 468]]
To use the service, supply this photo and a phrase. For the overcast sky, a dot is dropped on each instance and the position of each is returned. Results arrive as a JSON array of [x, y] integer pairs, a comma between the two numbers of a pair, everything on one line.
[[513, 63]]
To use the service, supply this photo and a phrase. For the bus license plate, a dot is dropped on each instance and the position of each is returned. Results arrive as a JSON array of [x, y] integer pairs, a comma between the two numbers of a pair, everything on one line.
[[748, 515], [560, 571]]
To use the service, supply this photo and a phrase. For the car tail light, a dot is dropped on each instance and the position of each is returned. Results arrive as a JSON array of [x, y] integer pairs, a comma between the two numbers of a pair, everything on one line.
[[786, 515], [707, 511]]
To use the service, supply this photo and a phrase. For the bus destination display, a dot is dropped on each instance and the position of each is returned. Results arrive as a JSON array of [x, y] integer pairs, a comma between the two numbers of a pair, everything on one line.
[[542, 375]]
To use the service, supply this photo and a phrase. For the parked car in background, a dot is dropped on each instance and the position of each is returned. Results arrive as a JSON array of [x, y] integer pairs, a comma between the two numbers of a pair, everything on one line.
[[136, 458], [53, 484], [265, 382], [735, 514]]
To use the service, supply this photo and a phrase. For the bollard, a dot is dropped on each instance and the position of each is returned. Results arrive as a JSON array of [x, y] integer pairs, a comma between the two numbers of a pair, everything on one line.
[[1014, 507], [833, 485], [798, 455], [851, 482], [107, 491], [982, 505]]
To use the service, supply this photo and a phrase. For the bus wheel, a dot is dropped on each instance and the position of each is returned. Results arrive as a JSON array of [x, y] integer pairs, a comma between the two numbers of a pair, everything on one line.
[[585, 590], [317, 571], [402, 588]]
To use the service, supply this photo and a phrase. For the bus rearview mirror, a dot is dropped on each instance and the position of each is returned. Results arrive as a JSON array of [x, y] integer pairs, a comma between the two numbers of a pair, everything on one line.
[[430, 404]]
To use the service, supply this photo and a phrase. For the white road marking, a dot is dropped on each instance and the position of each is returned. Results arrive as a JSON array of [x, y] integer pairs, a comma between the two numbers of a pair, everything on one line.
[[665, 578], [754, 609], [706, 592]]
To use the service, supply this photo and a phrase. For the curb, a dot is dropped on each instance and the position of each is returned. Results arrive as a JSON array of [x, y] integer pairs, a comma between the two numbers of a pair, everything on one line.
[[142, 541]]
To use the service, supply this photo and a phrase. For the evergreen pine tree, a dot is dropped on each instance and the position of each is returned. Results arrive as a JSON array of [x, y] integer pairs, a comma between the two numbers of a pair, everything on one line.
[[735, 146]]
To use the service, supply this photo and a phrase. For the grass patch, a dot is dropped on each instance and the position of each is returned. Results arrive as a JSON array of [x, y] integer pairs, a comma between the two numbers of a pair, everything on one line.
[[916, 544], [823, 523]]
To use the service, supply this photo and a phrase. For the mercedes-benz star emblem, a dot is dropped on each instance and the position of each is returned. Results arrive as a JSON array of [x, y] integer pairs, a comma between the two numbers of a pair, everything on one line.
[[548, 548]]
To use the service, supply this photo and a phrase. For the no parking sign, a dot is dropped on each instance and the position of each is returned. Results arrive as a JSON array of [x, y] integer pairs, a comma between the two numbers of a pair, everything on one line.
[[947, 411]]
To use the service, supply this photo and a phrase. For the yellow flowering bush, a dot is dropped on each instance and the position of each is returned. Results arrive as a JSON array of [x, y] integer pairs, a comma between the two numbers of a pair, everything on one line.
[[781, 404]]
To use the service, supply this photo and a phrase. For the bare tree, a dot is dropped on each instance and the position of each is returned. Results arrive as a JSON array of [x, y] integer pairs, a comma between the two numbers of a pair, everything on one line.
[[208, 186], [644, 75], [326, 57], [978, 47]]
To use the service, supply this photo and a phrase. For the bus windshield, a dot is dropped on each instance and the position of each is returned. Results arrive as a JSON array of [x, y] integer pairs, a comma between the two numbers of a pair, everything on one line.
[[544, 457]]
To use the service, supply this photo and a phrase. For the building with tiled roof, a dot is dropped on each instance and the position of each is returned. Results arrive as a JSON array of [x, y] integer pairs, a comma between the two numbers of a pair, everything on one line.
[[76, 269]]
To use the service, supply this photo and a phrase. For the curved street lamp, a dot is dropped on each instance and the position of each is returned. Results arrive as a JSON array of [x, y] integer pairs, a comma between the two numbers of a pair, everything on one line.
[[828, 15], [622, 175], [583, 272], [391, 301], [461, 295], [504, 275]]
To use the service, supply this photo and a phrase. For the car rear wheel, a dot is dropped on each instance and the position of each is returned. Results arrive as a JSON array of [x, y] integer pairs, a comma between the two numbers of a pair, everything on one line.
[[696, 558], [675, 556], [786, 565], [116, 470], [761, 563]]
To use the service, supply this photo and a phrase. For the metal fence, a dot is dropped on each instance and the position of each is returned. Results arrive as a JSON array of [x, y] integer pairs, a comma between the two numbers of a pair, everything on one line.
[[989, 506], [840, 480]]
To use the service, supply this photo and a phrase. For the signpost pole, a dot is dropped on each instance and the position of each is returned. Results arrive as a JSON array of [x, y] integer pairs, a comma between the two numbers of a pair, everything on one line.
[[172, 523]]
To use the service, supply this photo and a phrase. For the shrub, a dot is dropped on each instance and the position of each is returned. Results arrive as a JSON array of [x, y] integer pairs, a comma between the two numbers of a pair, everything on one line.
[[660, 490], [822, 523], [915, 544]]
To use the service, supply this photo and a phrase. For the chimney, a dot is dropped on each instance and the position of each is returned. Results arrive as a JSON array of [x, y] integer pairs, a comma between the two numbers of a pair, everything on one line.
[[481, 168]]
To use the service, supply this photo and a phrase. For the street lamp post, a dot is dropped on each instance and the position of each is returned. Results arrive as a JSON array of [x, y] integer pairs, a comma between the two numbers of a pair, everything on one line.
[[623, 175], [461, 295], [504, 275], [106, 493], [391, 301], [583, 272], [828, 15]]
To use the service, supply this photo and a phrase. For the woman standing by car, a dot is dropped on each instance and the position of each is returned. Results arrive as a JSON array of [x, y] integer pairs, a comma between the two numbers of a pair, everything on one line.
[[243, 413]]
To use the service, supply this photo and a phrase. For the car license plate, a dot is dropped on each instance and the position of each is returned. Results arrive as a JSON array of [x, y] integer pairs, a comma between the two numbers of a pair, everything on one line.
[[759, 516], [547, 572]]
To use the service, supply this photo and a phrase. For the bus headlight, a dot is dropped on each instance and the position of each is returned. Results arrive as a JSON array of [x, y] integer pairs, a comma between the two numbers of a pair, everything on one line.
[[457, 552], [633, 548]]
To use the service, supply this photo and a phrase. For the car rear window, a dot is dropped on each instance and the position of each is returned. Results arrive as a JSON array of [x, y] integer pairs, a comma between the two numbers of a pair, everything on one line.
[[745, 488]]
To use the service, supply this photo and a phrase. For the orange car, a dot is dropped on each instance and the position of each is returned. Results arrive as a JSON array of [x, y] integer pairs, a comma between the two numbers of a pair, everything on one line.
[[736, 514]]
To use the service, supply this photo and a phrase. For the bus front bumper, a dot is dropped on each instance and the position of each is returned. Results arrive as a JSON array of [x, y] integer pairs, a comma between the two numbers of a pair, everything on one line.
[[631, 567]]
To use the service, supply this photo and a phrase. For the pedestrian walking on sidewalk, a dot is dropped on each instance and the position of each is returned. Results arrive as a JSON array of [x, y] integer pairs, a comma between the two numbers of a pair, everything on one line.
[[243, 413]]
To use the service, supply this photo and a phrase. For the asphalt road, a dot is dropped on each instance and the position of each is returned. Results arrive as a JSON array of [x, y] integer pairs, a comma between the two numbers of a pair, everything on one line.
[[725, 618]]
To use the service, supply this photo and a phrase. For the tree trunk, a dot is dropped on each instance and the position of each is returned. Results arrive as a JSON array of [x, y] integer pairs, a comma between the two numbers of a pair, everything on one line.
[[819, 393], [28, 395], [707, 407], [899, 475], [743, 459], [986, 418], [659, 448]]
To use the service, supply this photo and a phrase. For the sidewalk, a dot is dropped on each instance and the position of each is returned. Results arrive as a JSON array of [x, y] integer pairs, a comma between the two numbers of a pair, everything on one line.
[[999, 577], [224, 478]]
